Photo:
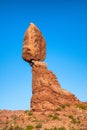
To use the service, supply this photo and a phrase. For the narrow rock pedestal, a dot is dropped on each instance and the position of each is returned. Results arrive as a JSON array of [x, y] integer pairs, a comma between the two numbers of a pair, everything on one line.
[[47, 93]]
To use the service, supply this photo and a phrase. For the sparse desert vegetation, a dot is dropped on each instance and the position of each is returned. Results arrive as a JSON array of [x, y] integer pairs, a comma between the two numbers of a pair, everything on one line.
[[68, 118], [81, 106]]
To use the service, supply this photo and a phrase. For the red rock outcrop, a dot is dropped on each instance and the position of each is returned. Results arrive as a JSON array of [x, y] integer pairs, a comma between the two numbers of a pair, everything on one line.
[[51, 106], [46, 90], [47, 93], [34, 47]]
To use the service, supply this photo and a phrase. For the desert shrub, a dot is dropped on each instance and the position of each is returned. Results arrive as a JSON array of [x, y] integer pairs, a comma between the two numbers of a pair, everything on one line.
[[30, 127], [48, 129], [55, 128], [15, 128], [67, 104], [62, 128], [81, 106], [55, 117], [50, 115], [36, 120], [26, 111], [18, 128], [70, 116], [29, 112], [78, 121], [4, 128], [62, 106], [7, 121], [11, 128], [73, 128], [59, 109], [72, 119], [39, 125]]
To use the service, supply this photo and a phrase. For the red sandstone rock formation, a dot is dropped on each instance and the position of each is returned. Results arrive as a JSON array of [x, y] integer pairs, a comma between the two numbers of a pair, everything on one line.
[[52, 107], [34, 46], [47, 93]]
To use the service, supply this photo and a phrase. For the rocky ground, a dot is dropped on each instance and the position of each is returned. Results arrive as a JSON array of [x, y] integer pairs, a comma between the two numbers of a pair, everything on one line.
[[66, 117]]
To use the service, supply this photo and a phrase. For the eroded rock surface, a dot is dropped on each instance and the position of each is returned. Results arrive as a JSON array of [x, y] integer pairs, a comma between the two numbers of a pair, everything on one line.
[[46, 90], [34, 47], [47, 93]]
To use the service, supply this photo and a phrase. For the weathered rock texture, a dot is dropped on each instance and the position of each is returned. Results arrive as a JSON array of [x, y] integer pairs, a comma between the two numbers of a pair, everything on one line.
[[47, 93], [34, 47], [52, 107]]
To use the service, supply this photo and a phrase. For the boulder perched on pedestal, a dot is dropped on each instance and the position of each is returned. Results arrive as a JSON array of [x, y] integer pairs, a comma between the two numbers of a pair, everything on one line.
[[46, 91]]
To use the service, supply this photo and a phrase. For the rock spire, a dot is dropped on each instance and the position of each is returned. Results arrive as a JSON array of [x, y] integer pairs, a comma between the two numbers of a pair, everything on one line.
[[47, 93]]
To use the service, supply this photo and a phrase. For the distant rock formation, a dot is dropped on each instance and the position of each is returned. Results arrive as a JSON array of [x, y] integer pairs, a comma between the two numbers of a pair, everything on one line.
[[47, 93]]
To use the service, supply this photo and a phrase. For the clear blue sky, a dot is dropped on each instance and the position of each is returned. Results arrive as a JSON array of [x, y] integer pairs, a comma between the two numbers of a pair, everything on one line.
[[64, 26]]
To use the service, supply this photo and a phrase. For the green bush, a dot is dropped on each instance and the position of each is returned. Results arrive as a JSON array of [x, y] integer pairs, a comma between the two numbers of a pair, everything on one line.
[[36, 120], [62, 128], [4, 128], [50, 116], [73, 128], [39, 125], [55, 116], [15, 128], [78, 121], [67, 104], [30, 127], [26, 111], [62, 106], [73, 119], [29, 112], [81, 106], [18, 128], [59, 109], [55, 128], [70, 116]]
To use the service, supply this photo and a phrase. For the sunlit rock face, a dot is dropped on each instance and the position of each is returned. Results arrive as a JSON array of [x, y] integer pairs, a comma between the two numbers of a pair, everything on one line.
[[47, 93], [34, 46]]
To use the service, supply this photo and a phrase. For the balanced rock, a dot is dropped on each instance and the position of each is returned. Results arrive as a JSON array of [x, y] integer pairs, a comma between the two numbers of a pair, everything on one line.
[[47, 93], [34, 47]]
